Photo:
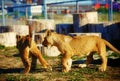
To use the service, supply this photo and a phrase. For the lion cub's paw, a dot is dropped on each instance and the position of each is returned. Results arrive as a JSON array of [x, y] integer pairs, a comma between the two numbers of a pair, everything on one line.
[[24, 72], [82, 65], [48, 68], [102, 69], [65, 71]]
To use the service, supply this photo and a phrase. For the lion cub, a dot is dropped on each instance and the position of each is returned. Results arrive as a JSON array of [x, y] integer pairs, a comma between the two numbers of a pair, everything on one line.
[[80, 46], [27, 46]]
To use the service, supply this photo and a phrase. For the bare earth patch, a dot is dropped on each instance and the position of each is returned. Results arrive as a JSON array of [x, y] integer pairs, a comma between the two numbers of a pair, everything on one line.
[[11, 66]]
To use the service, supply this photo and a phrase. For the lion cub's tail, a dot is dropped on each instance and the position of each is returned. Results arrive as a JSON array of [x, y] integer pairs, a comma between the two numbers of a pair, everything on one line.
[[111, 47]]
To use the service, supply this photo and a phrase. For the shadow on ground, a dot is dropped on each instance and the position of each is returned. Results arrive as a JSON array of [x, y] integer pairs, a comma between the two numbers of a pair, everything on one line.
[[111, 62]]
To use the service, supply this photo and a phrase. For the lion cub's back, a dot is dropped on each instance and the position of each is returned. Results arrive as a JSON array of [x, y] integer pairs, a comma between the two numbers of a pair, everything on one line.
[[84, 43]]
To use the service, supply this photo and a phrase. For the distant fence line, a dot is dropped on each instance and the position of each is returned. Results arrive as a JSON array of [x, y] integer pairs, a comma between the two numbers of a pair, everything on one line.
[[10, 21], [109, 31]]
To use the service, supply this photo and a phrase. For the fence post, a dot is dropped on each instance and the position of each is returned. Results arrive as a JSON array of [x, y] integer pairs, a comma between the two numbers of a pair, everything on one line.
[[3, 14], [45, 9], [110, 10]]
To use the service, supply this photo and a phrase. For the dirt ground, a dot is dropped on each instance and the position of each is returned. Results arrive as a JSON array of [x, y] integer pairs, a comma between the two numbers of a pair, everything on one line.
[[11, 66]]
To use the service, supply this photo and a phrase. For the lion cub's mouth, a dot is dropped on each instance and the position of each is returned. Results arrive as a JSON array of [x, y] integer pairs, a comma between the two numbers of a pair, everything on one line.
[[45, 45], [49, 46]]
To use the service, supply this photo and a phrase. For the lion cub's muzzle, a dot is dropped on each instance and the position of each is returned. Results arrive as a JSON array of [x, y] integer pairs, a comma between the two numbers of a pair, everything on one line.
[[45, 42]]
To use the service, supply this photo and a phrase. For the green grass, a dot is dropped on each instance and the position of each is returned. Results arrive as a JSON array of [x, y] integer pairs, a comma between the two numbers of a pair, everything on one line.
[[9, 51], [76, 75], [103, 17], [2, 46], [19, 77]]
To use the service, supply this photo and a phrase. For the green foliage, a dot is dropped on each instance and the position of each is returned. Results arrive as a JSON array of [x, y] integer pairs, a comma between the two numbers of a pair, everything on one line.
[[2, 46], [38, 16], [10, 78], [103, 10]]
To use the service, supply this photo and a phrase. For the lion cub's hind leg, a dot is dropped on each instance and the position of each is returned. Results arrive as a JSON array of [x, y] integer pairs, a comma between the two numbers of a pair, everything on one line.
[[89, 58], [87, 62], [34, 62], [26, 61], [27, 65], [104, 62], [102, 52]]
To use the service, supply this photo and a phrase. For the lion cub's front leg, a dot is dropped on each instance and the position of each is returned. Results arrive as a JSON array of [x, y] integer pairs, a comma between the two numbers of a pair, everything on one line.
[[36, 52], [67, 63]]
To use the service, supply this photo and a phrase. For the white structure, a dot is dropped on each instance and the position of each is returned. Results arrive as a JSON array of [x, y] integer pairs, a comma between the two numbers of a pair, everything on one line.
[[28, 10], [36, 10], [8, 39]]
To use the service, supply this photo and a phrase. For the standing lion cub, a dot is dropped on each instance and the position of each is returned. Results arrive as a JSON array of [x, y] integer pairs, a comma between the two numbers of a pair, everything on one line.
[[80, 46], [27, 46]]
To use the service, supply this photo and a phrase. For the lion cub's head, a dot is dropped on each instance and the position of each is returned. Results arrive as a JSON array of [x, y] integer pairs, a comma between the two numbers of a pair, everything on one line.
[[48, 39], [23, 41]]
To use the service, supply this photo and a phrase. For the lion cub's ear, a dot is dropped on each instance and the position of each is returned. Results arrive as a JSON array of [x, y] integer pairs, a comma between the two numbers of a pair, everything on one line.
[[48, 32], [18, 37]]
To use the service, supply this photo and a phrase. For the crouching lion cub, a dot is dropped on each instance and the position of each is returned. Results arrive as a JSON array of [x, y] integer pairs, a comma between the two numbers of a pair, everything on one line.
[[78, 45], [26, 45]]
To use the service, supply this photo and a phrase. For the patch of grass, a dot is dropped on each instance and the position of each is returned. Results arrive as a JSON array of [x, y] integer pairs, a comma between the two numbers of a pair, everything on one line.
[[81, 73], [19, 77], [2, 46], [77, 76], [100, 75], [114, 55], [103, 17], [87, 70], [78, 79], [10, 78], [30, 78], [9, 51]]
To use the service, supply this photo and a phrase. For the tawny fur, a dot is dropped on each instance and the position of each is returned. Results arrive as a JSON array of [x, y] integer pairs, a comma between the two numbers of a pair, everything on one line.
[[78, 45], [27, 46]]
